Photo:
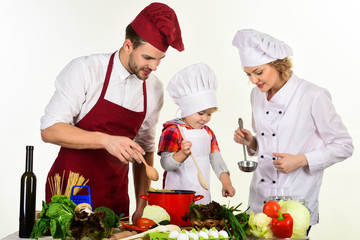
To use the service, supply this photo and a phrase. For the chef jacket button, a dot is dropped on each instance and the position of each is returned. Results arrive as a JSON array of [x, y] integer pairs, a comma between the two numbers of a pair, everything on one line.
[[280, 112], [262, 156], [273, 134], [267, 112], [274, 158], [274, 181], [262, 134], [263, 180]]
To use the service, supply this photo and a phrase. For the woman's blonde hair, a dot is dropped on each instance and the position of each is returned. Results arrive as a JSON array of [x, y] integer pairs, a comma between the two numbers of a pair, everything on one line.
[[284, 67]]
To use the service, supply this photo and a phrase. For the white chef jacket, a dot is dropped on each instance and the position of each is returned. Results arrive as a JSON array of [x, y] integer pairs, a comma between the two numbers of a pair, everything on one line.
[[79, 85], [299, 119]]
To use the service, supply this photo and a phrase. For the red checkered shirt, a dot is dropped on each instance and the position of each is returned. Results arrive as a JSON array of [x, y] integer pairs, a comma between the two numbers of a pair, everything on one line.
[[170, 139]]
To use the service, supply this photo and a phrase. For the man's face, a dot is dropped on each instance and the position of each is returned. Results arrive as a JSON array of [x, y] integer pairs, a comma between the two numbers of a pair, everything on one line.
[[144, 59]]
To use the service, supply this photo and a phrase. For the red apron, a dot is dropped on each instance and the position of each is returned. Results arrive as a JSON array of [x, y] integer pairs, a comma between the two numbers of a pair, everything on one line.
[[108, 177]]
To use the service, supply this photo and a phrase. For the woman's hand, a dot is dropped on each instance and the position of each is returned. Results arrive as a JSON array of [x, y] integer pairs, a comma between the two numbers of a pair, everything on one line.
[[249, 139], [288, 162]]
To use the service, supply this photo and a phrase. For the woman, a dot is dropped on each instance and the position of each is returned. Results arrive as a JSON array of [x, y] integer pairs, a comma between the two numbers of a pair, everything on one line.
[[297, 130]]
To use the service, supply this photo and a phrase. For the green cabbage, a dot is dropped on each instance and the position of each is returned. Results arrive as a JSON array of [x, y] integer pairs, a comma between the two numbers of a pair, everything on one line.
[[155, 213], [300, 215], [259, 225]]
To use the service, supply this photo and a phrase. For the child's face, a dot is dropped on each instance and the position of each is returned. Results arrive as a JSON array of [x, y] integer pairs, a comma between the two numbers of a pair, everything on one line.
[[199, 119]]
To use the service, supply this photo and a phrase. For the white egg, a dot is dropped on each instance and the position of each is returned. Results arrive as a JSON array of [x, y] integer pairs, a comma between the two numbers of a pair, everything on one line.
[[173, 234], [183, 236], [223, 234], [214, 233], [193, 235], [185, 231], [206, 230], [203, 234]]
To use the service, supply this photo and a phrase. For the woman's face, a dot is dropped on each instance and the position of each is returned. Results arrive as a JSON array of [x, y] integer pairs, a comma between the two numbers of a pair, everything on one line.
[[265, 77]]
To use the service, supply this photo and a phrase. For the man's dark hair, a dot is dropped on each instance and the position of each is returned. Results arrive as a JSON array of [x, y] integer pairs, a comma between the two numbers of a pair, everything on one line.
[[134, 37]]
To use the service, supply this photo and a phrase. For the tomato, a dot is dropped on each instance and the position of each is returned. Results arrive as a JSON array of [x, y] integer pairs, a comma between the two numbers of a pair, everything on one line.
[[144, 223], [270, 208]]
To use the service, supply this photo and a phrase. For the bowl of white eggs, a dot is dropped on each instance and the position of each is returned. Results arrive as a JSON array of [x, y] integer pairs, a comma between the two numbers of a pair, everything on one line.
[[193, 234]]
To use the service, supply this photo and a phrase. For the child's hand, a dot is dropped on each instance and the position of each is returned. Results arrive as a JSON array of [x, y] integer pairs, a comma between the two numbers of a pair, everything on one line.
[[186, 147], [227, 188], [184, 152], [228, 191]]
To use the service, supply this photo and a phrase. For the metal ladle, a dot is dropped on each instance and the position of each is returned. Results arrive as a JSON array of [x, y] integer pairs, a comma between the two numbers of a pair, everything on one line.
[[245, 166]]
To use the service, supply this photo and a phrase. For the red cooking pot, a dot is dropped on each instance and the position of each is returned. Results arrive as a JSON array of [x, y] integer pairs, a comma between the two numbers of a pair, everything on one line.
[[176, 203]]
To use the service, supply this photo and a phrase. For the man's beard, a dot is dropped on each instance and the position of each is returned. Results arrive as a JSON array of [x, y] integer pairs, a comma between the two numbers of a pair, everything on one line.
[[134, 68]]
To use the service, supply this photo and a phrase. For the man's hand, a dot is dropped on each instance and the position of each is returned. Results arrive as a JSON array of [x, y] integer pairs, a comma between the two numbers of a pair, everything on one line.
[[70, 136], [121, 147]]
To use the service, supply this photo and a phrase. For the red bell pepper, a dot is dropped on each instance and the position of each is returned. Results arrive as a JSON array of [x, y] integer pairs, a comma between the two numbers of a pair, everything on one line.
[[132, 227], [282, 226]]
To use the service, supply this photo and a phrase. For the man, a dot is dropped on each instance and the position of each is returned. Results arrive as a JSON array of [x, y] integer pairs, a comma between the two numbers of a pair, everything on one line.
[[106, 107]]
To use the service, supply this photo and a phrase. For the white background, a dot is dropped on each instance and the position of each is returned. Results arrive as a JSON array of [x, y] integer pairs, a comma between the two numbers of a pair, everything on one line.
[[39, 37]]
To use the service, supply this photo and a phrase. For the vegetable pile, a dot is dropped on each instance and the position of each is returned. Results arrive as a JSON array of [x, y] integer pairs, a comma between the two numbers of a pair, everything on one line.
[[63, 221], [219, 216], [281, 220]]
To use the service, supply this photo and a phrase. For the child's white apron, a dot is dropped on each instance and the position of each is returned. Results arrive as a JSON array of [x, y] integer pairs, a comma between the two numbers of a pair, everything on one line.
[[185, 177]]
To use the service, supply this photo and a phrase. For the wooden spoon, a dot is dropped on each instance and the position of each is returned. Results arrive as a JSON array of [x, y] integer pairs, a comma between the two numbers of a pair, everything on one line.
[[200, 176], [151, 172]]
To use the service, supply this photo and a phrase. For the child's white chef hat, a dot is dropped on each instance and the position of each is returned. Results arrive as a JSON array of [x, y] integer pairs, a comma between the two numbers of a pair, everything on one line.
[[256, 48], [194, 89]]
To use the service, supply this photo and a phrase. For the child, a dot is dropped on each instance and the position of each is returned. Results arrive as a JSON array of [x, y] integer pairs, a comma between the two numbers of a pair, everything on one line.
[[193, 89]]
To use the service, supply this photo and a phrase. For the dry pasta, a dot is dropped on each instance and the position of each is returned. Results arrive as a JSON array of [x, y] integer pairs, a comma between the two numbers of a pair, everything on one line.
[[56, 183], [160, 190]]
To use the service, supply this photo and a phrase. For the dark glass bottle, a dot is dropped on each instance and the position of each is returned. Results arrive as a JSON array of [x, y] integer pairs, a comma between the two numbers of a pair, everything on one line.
[[27, 196]]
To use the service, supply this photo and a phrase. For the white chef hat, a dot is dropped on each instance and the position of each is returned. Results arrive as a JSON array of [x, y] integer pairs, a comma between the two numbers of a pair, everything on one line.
[[194, 89], [256, 48]]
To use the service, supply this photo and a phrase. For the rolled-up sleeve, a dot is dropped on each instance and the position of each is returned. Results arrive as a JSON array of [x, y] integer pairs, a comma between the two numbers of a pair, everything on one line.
[[69, 96]]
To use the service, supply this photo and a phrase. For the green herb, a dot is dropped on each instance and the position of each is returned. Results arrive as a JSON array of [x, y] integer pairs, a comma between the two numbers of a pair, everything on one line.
[[237, 227]]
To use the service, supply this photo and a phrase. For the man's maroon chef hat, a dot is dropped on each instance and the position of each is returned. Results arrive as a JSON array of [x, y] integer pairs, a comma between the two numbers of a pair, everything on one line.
[[158, 25]]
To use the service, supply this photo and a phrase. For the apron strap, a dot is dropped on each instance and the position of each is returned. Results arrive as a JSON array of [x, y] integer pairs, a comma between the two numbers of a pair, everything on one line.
[[107, 77]]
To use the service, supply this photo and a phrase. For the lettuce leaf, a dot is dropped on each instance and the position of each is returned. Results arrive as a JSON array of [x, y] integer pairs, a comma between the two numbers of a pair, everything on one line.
[[56, 216]]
